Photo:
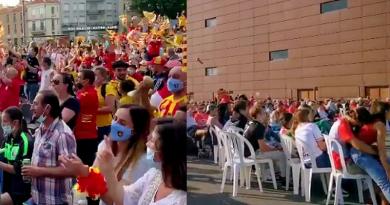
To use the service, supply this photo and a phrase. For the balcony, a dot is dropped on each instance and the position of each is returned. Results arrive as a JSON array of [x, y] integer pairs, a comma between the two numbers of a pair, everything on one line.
[[38, 32], [95, 12]]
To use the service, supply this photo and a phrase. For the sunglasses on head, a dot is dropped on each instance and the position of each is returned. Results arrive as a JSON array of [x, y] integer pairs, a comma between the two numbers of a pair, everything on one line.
[[55, 82]]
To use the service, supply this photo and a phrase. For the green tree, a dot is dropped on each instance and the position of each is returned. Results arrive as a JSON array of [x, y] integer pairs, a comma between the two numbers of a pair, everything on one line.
[[163, 7]]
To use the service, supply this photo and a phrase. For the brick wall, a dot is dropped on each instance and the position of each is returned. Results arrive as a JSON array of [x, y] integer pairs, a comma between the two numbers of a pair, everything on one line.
[[338, 53]]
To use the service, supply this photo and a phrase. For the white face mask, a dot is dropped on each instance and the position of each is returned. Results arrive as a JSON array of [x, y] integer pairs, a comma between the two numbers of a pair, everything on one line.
[[149, 153], [7, 130], [42, 118]]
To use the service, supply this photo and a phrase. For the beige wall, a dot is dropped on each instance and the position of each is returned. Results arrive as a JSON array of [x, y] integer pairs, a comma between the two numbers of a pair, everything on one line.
[[339, 53], [7, 19]]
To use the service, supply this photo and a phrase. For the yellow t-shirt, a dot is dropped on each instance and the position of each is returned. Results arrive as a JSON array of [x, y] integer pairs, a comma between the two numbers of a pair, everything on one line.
[[103, 120], [126, 100]]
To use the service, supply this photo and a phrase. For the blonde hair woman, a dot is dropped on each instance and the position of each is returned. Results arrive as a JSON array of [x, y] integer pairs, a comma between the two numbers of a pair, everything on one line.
[[129, 131]]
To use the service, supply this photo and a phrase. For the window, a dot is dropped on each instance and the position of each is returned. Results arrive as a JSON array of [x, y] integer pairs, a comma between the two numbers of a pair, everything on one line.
[[41, 11], [52, 10], [211, 22], [15, 29], [21, 16], [33, 26], [21, 27], [66, 7], [333, 5], [42, 25], [93, 18], [211, 71], [8, 29], [52, 25], [15, 41], [82, 6], [280, 54], [7, 17], [14, 17], [75, 7]]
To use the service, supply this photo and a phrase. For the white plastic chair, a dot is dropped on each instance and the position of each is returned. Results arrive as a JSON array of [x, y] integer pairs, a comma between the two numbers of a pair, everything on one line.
[[259, 159], [308, 172], [219, 153], [337, 175], [234, 152], [292, 163]]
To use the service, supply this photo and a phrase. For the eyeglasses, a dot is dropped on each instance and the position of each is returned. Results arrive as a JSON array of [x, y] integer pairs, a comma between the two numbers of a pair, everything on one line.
[[55, 82]]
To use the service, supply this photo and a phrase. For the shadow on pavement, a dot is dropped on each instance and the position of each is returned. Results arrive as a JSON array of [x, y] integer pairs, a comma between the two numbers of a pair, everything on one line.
[[215, 199]]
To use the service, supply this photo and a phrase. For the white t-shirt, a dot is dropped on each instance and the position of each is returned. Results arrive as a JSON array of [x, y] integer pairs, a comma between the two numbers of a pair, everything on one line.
[[131, 175], [308, 134], [143, 191], [46, 76]]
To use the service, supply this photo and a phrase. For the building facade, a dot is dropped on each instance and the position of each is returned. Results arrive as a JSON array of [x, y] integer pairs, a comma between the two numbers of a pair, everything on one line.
[[42, 19], [89, 17], [289, 49], [12, 21]]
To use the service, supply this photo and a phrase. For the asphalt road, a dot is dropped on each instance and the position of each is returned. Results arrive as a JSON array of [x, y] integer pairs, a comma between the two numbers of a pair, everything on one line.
[[204, 181]]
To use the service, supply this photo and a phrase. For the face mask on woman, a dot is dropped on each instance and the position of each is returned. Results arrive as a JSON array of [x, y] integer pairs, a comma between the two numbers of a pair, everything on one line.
[[120, 133], [7, 130]]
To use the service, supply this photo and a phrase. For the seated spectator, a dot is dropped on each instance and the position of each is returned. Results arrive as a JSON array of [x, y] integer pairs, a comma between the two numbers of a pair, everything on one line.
[[277, 115], [239, 117], [255, 133], [287, 121], [213, 116], [309, 136], [17, 146], [322, 112], [201, 117]]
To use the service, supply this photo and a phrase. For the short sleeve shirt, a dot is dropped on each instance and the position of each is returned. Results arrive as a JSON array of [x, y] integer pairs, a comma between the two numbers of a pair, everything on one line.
[[105, 119], [308, 134], [254, 131], [74, 105]]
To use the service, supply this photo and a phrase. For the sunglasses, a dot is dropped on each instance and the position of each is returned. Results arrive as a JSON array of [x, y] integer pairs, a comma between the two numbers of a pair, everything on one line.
[[55, 82]]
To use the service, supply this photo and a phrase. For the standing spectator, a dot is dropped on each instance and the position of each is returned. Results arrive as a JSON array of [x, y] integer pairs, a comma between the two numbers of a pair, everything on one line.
[[177, 84], [50, 183], [132, 72], [31, 74], [106, 95], [47, 74], [18, 146], [9, 88], [69, 105], [85, 131], [125, 87]]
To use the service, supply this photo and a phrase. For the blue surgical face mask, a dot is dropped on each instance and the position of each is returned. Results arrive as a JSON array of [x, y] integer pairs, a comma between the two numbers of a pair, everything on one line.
[[175, 85], [119, 132], [42, 118], [149, 153], [7, 130]]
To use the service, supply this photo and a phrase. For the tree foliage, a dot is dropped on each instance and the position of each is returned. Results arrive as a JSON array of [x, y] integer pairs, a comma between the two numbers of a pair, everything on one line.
[[168, 8]]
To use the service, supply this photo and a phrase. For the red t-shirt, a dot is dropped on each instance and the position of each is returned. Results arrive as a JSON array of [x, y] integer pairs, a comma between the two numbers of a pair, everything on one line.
[[138, 76], [86, 121], [108, 60], [10, 93], [367, 133]]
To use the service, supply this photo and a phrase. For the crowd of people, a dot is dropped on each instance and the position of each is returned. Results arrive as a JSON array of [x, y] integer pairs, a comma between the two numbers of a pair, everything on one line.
[[359, 125], [112, 108]]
